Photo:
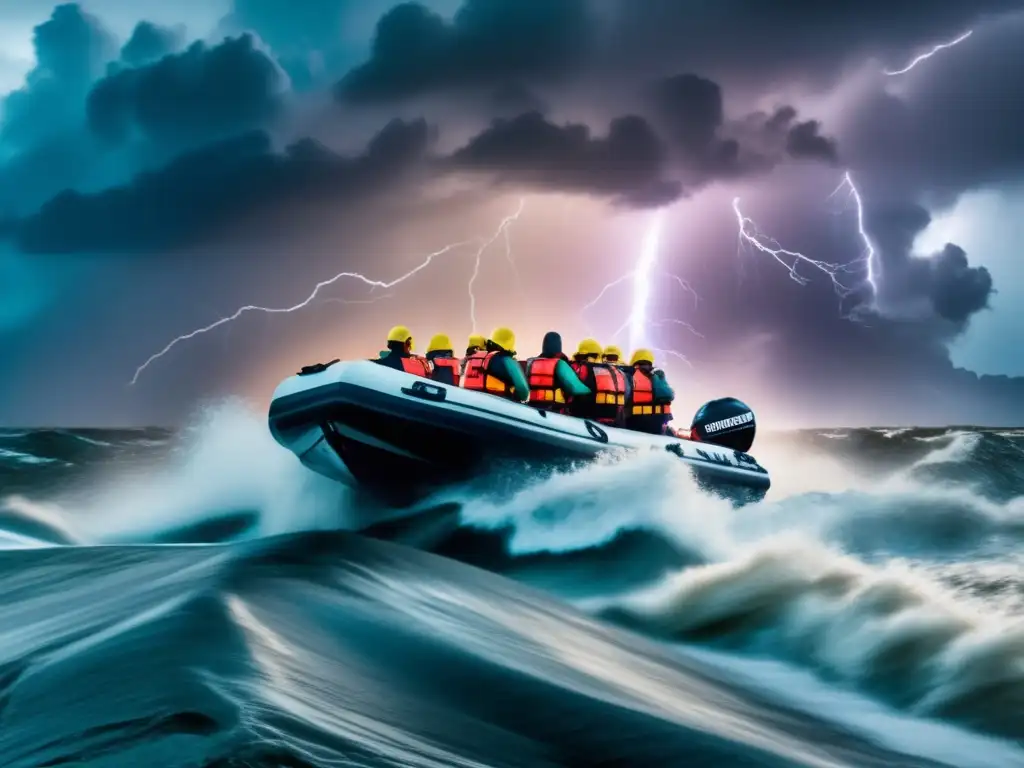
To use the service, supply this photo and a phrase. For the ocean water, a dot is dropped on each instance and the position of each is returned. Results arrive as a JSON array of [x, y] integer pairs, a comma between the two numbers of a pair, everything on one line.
[[199, 599]]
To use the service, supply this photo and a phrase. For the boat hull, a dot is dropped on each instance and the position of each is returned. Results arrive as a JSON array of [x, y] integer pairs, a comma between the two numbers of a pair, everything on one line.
[[401, 436]]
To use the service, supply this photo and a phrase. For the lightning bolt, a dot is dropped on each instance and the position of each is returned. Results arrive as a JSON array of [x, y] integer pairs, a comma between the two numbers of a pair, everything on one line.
[[685, 286], [482, 243], [641, 275], [928, 54], [642, 280], [683, 323], [503, 229], [594, 301], [750, 236], [868, 257], [791, 260]]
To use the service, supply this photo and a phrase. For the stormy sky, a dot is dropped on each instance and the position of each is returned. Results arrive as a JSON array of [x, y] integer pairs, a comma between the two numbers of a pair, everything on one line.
[[164, 164]]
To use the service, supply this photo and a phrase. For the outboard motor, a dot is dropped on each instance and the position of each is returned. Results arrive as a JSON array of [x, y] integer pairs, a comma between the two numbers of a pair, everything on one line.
[[727, 422]]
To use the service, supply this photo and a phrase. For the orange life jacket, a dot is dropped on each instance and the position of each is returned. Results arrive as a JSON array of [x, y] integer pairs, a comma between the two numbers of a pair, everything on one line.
[[609, 385], [417, 366], [451, 364], [544, 389], [478, 379], [643, 396]]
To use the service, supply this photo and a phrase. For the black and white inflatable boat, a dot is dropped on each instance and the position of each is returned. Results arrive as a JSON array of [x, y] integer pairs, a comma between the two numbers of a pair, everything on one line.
[[400, 436]]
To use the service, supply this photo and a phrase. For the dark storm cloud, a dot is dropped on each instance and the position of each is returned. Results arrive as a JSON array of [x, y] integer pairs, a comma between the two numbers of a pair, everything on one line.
[[956, 289], [214, 186], [691, 112], [225, 182], [804, 140], [801, 340], [957, 126], [42, 130], [178, 101], [511, 99], [952, 289], [692, 109], [415, 50], [72, 48], [760, 42], [150, 42], [954, 127], [308, 38], [628, 164], [184, 98], [207, 93], [143, 103]]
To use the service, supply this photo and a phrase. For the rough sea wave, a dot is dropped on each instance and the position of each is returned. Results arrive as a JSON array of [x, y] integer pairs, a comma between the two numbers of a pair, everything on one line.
[[193, 599]]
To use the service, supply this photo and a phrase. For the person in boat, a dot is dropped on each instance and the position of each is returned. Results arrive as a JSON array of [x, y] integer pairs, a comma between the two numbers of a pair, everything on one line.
[[579, 357], [399, 354], [613, 356], [444, 366], [651, 408], [553, 383], [607, 384], [476, 344], [494, 368]]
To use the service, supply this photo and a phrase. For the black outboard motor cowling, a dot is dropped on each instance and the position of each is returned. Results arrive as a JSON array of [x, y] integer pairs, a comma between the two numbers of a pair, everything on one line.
[[727, 422]]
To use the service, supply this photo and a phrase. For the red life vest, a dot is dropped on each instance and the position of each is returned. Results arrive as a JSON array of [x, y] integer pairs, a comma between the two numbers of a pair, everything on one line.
[[478, 379], [451, 364], [643, 396], [609, 385], [416, 365], [544, 389]]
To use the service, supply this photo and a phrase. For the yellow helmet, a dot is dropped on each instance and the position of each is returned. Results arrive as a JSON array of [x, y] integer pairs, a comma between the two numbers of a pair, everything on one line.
[[612, 351], [439, 343], [642, 356], [589, 347], [400, 333], [504, 338], [476, 340]]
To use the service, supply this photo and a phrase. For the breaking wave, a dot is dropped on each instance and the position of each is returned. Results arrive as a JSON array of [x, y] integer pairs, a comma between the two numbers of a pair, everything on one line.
[[881, 574]]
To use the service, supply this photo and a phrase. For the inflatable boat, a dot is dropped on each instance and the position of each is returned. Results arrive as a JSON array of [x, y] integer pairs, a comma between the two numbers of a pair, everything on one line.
[[401, 437]]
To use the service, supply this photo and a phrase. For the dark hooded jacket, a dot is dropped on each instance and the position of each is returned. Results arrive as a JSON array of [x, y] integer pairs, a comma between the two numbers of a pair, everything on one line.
[[565, 376]]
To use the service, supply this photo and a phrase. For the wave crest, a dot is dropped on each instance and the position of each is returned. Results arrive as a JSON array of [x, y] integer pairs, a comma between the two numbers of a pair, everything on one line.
[[886, 630]]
